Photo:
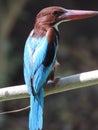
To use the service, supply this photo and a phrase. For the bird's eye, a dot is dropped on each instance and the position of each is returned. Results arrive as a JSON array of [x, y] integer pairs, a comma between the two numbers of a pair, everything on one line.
[[57, 13]]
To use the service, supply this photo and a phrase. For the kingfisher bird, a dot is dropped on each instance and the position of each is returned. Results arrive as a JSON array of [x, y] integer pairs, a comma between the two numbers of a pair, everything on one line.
[[40, 56]]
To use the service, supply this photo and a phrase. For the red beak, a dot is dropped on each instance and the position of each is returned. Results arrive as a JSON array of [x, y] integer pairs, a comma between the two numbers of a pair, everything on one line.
[[76, 14]]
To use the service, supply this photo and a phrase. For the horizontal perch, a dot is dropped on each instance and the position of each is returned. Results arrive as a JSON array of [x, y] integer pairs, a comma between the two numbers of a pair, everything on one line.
[[64, 84]]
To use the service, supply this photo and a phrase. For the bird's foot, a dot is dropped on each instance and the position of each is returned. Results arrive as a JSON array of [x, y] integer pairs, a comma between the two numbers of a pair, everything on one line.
[[56, 80]]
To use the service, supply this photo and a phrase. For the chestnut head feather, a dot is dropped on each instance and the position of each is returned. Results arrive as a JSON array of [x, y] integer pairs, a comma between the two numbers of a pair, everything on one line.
[[53, 16]]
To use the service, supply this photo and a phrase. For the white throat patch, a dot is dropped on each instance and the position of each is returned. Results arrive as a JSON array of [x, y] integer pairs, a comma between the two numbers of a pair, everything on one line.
[[57, 24]]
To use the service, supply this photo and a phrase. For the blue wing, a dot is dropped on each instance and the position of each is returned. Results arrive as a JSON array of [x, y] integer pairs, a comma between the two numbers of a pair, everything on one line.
[[34, 56]]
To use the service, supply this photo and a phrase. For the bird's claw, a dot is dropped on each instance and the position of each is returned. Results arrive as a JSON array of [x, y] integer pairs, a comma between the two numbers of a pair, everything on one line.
[[56, 80]]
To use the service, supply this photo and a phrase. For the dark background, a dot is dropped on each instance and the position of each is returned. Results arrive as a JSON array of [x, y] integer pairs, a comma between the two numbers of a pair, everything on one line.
[[78, 52]]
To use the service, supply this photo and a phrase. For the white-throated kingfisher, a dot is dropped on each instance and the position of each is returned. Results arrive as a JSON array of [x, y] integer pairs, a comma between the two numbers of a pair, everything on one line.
[[40, 55]]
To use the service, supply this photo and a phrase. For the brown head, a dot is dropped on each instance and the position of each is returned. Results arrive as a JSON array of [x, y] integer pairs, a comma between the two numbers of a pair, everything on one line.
[[53, 16]]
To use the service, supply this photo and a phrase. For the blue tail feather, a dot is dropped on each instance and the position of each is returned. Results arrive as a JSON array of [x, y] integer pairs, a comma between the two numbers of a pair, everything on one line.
[[36, 111]]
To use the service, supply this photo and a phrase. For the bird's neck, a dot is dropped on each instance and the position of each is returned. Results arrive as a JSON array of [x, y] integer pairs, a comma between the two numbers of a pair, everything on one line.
[[56, 27], [41, 30]]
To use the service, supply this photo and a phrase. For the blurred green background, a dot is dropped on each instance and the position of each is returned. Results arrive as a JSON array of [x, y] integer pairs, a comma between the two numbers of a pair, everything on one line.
[[78, 52]]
